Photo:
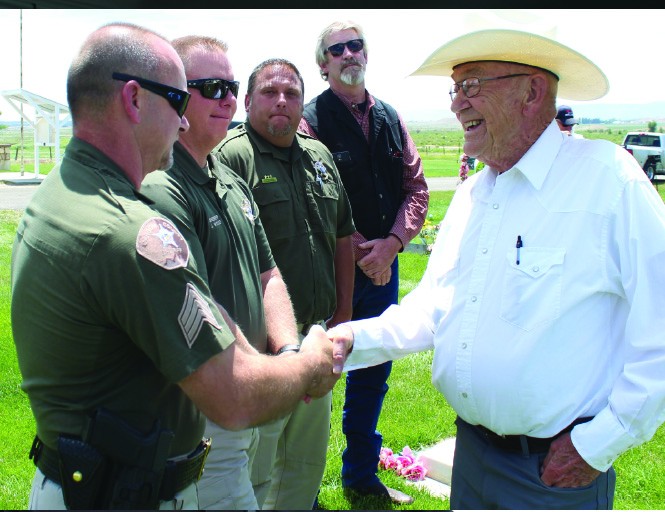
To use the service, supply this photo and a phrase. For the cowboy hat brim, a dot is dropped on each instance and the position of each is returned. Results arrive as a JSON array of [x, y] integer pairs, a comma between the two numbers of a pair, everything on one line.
[[579, 78]]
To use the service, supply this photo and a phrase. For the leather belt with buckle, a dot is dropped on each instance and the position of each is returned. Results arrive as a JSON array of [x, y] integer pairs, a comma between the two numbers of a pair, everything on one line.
[[521, 443]]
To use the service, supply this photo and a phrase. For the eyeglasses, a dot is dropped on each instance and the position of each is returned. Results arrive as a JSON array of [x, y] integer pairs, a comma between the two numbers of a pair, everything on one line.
[[355, 45], [471, 86], [215, 88], [177, 98]]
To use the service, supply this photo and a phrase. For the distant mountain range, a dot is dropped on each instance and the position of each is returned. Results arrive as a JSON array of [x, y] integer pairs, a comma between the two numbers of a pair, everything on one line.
[[587, 112]]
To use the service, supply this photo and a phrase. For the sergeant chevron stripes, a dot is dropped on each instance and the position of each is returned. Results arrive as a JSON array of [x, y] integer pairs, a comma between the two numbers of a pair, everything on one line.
[[195, 310]]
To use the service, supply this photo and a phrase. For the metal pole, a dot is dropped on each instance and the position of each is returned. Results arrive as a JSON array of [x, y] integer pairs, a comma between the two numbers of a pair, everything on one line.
[[20, 61]]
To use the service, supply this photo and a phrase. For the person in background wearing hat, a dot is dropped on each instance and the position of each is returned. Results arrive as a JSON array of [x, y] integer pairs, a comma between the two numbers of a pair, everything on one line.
[[566, 121], [542, 296], [383, 175]]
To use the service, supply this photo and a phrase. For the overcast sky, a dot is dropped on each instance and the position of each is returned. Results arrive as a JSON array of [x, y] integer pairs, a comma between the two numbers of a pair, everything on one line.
[[623, 42]]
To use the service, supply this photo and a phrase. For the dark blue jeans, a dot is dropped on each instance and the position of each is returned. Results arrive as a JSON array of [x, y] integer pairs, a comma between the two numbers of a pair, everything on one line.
[[366, 389]]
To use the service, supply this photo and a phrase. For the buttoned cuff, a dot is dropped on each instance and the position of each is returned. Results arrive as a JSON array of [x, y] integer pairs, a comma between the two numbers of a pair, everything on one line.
[[601, 440]]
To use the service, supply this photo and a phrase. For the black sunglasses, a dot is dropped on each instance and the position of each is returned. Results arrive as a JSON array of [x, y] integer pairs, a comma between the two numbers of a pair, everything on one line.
[[177, 98], [215, 88], [355, 45]]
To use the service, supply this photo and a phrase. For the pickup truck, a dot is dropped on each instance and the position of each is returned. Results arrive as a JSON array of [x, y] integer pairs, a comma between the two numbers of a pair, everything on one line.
[[648, 148]]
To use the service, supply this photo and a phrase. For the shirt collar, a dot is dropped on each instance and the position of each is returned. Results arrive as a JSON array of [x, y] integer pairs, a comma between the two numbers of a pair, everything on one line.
[[536, 163], [95, 158], [368, 98], [198, 174], [266, 147]]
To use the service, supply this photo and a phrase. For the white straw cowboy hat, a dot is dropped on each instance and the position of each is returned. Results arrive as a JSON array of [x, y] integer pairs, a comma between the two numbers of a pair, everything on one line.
[[579, 78]]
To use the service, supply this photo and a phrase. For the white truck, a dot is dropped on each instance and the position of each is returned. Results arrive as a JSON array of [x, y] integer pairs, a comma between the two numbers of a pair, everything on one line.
[[648, 148]]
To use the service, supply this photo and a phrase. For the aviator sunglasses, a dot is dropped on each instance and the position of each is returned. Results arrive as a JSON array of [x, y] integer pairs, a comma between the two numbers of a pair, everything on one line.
[[355, 45], [215, 88], [177, 99]]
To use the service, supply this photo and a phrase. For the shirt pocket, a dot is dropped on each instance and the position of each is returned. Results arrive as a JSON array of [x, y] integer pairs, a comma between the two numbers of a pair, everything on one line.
[[342, 159], [323, 199], [531, 294], [275, 210]]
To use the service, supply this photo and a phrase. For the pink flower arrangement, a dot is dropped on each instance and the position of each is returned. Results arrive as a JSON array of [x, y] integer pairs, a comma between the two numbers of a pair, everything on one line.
[[464, 167], [406, 464]]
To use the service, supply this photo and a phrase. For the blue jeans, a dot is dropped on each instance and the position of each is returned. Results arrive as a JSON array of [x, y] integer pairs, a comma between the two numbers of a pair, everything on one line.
[[366, 389]]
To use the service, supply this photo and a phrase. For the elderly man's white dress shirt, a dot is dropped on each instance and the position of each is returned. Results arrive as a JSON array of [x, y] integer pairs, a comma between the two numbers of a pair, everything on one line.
[[575, 329]]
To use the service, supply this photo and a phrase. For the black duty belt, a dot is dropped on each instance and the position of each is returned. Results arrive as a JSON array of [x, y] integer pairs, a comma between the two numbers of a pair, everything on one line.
[[178, 474], [521, 443]]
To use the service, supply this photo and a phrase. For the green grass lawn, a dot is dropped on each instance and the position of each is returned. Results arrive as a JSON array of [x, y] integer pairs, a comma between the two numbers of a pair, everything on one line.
[[414, 413], [17, 427], [437, 165]]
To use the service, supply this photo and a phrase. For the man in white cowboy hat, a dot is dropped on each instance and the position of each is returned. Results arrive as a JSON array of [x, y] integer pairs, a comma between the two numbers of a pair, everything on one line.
[[543, 291]]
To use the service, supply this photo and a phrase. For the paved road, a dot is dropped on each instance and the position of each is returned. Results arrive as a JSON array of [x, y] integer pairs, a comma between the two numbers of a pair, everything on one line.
[[15, 197], [442, 183]]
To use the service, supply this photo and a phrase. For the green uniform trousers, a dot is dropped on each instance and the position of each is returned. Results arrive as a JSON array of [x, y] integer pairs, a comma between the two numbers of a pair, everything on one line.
[[290, 458], [225, 484]]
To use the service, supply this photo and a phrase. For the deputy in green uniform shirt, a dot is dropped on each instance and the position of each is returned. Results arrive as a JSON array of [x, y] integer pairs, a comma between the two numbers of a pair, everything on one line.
[[307, 217], [199, 191]]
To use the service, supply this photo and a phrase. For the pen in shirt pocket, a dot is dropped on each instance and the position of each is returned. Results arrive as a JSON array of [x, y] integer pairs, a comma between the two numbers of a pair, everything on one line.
[[518, 246]]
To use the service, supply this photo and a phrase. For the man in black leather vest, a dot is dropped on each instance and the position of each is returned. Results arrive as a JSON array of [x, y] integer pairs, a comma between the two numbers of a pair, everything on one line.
[[383, 177]]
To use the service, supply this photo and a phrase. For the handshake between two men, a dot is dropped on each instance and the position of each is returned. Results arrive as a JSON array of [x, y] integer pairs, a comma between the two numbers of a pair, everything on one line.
[[341, 337]]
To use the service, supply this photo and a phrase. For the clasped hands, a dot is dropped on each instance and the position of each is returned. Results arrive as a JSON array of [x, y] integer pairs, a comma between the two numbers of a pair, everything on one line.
[[330, 349], [382, 253]]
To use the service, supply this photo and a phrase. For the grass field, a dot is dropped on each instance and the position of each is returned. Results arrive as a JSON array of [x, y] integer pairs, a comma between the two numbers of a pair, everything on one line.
[[414, 413]]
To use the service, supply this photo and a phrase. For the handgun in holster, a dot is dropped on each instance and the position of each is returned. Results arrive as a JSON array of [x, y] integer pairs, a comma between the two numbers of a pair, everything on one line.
[[123, 466]]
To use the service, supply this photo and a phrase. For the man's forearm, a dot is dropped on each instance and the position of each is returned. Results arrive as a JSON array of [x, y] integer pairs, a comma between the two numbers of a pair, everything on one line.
[[344, 278], [280, 317]]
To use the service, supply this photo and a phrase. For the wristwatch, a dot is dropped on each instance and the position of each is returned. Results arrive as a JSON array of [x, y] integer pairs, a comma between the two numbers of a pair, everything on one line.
[[288, 348]]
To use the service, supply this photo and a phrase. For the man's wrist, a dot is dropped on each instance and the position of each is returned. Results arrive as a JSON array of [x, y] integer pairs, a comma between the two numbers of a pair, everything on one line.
[[400, 247]]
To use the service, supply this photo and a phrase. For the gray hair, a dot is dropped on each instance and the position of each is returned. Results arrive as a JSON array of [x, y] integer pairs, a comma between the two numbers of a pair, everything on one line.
[[335, 26]]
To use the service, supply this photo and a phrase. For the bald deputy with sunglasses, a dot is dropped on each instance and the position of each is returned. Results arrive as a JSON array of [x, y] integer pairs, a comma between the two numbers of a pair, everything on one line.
[[121, 346], [542, 298], [383, 177], [243, 277]]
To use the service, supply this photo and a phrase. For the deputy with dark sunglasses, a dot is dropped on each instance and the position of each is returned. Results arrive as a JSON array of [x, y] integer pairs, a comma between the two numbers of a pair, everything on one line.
[[120, 343], [215, 88], [383, 176], [243, 277]]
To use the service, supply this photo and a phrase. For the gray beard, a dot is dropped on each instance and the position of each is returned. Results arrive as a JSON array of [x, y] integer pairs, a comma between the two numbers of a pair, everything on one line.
[[352, 76]]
